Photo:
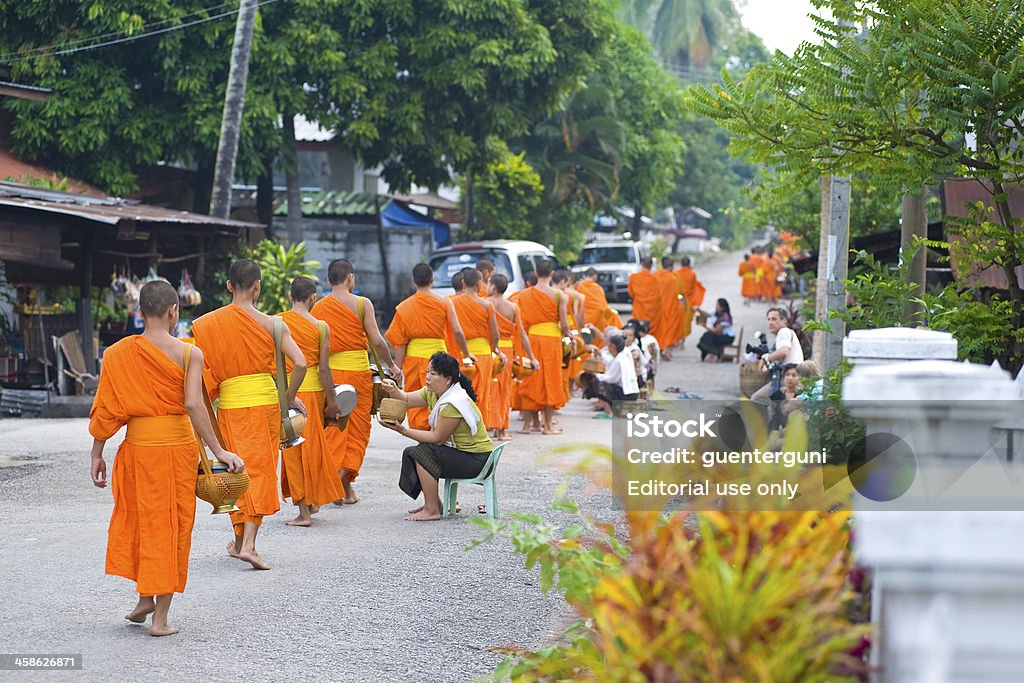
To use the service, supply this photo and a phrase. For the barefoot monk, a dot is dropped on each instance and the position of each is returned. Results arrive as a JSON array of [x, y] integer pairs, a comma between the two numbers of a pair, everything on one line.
[[546, 321], [152, 382], [238, 343]]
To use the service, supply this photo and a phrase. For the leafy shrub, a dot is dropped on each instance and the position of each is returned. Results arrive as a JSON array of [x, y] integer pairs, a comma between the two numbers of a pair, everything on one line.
[[279, 265], [746, 596]]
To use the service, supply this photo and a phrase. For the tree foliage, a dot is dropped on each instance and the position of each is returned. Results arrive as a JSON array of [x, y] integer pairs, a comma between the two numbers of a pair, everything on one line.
[[508, 193]]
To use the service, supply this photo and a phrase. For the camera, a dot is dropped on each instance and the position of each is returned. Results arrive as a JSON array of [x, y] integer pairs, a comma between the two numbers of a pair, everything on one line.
[[761, 348]]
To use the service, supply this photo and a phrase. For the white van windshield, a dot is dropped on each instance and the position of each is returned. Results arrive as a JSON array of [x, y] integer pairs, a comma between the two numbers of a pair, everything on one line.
[[595, 255], [446, 265]]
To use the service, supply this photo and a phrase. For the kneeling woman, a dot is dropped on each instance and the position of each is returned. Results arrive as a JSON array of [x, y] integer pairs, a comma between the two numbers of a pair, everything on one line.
[[456, 446]]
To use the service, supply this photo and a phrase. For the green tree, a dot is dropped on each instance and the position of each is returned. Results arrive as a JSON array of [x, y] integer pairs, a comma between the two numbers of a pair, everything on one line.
[[930, 90], [687, 32], [507, 195]]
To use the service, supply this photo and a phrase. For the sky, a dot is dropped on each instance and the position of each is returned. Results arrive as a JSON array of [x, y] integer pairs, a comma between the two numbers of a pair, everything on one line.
[[781, 24]]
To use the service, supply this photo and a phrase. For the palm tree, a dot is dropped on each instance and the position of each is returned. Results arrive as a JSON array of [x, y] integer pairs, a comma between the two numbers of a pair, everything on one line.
[[578, 149], [689, 33]]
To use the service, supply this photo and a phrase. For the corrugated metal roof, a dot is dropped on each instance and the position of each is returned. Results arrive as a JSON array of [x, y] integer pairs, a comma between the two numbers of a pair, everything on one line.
[[336, 203], [108, 210]]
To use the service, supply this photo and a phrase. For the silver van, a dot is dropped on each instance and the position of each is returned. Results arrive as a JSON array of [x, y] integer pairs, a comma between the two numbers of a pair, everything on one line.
[[512, 258]]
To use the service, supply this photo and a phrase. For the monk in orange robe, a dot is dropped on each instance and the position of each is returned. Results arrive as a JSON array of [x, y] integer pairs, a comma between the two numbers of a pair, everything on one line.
[[747, 285], [595, 306], [512, 339], [757, 263], [308, 475], [693, 294], [352, 323], [545, 317], [646, 292], [238, 343], [451, 344], [480, 326], [486, 268], [668, 325], [561, 280], [515, 399], [153, 383], [419, 329]]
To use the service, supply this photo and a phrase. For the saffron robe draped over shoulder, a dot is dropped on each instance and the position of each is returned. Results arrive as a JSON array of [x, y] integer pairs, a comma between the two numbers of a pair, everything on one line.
[[154, 478], [423, 316], [748, 287], [348, 448], [667, 326], [646, 293], [475, 321], [543, 388], [234, 344], [595, 307], [307, 471], [693, 294], [501, 386]]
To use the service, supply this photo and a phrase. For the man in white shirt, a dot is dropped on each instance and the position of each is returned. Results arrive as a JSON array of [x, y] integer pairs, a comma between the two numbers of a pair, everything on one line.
[[619, 376], [786, 349]]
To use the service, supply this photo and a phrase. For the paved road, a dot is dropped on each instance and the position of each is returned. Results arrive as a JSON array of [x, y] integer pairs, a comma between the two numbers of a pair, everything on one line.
[[361, 596]]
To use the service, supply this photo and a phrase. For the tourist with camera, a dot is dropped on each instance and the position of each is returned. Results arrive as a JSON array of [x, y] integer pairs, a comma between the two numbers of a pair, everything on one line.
[[785, 350]]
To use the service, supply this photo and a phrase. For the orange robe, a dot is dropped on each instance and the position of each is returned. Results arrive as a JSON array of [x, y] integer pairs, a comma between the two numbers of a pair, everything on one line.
[[757, 264], [693, 292], [646, 293], [748, 287], [595, 306], [234, 344], [348, 448], [501, 386], [154, 486], [475, 321], [545, 387], [307, 472], [668, 326], [421, 316]]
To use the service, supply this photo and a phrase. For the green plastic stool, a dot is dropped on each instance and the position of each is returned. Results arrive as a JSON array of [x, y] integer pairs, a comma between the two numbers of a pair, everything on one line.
[[485, 479]]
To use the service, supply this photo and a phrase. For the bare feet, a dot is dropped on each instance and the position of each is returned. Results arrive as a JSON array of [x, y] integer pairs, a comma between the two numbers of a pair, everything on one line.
[[141, 611], [424, 516], [253, 558], [232, 548], [413, 511], [299, 521], [350, 500], [165, 630], [553, 430], [339, 502], [524, 430], [313, 509]]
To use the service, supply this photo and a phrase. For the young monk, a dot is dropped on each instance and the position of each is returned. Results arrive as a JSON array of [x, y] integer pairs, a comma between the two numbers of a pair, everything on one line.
[[450, 342], [418, 331], [308, 476], [510, 336], [486, 268], [693, 296], [667, 326], [478, 321], [560, 281], [352, 322], [596, 310], [643, 288], [152, 382], [546, 321], [746, 273], [238, 344]]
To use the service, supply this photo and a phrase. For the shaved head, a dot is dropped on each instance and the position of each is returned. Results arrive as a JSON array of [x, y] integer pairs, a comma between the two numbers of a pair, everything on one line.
[[156, 298], [303, 288], [422, 275], [545, 267], [666, 262], [244, 274], [500, 283], [339, 270], [471, 278], [485, 265], [559, 277], [457, 281]]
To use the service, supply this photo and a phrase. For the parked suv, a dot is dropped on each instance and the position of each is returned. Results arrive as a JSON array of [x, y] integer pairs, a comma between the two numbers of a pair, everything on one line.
[[512, 258], [614, 259]]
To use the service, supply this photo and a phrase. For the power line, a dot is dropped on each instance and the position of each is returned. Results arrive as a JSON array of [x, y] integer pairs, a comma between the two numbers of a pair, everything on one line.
[[68, 48]]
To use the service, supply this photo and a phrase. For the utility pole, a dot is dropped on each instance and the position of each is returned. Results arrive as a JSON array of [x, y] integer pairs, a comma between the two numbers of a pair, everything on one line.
[[234, 103], [836, 269], [914, 224]]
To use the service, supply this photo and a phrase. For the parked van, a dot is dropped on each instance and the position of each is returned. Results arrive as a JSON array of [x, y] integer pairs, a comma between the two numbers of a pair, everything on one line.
[[615, 259], [512, 258]]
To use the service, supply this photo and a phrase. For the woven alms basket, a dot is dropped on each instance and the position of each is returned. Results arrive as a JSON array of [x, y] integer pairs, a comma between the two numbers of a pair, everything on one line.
[[593, 365], [218, 487], [393, 409]]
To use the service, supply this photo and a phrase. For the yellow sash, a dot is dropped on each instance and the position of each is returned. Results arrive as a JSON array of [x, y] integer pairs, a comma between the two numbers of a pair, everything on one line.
[[548, 329], [350, 360], [424, 347], [478, 346], [311, 382], [248, 391], [505, 344], [165, 430]]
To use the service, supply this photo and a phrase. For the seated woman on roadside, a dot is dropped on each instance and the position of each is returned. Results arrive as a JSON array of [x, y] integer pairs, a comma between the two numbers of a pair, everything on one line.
[[719, 334], [456, 445]]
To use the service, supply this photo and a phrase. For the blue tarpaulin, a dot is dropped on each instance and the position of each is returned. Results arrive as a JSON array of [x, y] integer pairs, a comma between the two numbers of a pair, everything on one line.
[[396, 215]]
